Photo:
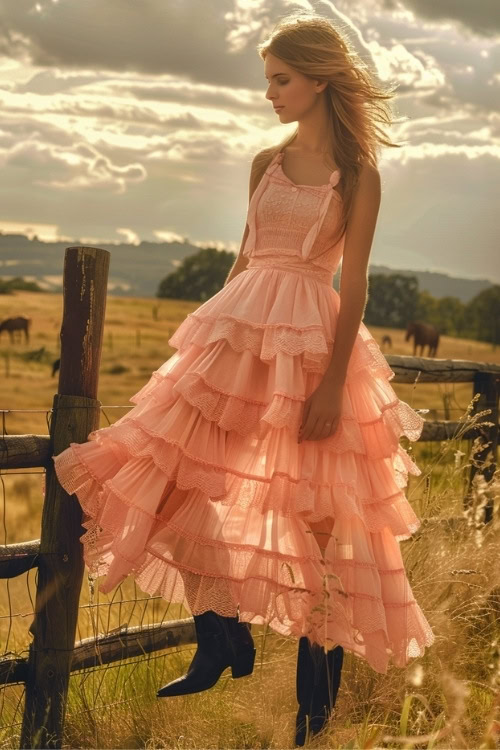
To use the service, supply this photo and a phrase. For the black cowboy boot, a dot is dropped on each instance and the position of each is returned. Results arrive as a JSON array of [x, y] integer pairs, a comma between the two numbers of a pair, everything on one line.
[[304, 688], [327, 683], [318, 681], [222, 642]]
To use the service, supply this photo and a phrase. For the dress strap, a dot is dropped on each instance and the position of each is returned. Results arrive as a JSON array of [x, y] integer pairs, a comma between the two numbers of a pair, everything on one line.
[[334, 177], [277, 158], [315, 229]]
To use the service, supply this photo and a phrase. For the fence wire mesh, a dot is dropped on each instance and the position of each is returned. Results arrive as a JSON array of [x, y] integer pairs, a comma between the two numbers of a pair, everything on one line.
[[93, 690]]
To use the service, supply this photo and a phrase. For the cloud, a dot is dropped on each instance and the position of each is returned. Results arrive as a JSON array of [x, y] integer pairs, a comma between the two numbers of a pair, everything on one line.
[[128, 235], [82, 166], [436, 213], [140, 120], [414, 71], [149, 37], [482, 18]]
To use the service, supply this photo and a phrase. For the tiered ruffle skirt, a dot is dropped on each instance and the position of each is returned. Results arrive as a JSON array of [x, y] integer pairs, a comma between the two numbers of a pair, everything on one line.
[[202, 492]]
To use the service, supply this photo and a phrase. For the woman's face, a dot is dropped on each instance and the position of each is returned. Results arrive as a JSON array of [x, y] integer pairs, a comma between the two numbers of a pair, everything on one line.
[[288, 88]]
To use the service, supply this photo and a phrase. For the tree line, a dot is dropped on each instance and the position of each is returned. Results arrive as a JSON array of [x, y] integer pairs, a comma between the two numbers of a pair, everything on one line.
[[393, 299]]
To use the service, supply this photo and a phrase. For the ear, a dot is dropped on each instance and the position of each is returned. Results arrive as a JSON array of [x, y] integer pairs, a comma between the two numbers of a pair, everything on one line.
[[321, 86]]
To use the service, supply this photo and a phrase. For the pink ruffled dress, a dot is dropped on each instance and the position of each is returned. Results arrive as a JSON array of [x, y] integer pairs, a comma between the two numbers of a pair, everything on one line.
[[202, 492]]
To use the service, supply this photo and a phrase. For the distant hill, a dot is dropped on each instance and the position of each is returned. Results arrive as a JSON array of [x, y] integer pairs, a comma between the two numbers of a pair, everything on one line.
[[441, 284], [136, 270]]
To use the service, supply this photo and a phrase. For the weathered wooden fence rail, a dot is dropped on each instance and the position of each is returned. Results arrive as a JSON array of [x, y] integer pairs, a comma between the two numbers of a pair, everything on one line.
[[53, 653], [122, 643]]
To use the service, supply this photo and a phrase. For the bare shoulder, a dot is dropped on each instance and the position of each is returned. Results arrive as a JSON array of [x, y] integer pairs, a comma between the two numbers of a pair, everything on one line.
[[367, 197], [361, 226], [369, 186]]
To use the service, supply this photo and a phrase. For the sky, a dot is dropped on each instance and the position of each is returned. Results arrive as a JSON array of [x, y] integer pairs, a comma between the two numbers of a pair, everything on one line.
[[130, 120]]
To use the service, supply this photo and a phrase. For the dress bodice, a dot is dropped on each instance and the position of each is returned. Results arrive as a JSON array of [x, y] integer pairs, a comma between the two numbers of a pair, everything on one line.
[[294, 226]]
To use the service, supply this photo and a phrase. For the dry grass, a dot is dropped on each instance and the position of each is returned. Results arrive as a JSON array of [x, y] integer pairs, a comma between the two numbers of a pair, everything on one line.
[[448, 698]]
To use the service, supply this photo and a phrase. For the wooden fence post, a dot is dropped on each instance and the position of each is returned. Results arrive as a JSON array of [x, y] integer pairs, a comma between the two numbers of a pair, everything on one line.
[[486, 384], [60, 563]]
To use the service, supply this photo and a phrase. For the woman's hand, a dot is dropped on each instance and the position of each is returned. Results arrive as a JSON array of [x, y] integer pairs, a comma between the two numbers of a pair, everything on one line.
[[321, 413]]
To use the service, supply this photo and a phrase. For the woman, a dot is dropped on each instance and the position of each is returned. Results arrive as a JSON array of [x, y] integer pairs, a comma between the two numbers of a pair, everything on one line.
[[259, 477]]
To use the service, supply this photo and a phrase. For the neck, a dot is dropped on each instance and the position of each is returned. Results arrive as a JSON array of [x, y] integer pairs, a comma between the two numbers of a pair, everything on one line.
[[314, 133]]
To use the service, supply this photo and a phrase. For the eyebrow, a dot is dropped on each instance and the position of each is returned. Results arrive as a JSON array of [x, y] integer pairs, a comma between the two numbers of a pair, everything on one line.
[[276, 74]]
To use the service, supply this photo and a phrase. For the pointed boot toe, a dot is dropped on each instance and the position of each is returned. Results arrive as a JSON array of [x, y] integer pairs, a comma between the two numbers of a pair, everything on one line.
[[222, 642], [192, 682]]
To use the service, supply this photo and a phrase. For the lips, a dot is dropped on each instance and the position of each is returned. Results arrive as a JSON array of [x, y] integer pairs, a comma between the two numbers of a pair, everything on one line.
[[280, 107]]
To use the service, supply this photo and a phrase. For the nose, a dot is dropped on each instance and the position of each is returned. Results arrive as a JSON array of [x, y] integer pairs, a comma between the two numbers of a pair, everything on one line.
[[269, 93]]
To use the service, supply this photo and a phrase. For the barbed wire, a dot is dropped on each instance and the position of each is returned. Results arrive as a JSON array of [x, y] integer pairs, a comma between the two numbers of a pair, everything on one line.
[[132, 406], [9, 473], [94, 606], [83, 406], [145, 612]]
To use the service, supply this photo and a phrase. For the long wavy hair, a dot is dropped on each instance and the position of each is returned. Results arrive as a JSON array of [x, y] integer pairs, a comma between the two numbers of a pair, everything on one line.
[[356, 103]]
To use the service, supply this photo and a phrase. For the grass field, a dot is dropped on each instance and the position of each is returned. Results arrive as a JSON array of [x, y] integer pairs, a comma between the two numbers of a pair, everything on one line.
[[454, 575]]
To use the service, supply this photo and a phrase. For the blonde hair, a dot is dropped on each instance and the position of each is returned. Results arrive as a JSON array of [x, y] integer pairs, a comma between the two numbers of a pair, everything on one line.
[[356, 104]]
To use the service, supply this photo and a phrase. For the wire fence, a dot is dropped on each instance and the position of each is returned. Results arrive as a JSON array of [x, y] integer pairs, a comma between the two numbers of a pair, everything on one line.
[[99, 614], [103, 686]]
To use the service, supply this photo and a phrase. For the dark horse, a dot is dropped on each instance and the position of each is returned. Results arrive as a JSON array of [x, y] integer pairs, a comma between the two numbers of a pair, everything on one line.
[[424, 335], [16, 324], [386, 341]]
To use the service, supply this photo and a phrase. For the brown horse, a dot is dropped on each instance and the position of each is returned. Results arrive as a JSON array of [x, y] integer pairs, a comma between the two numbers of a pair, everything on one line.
[[386, 341], [16, 324], [423, 335]]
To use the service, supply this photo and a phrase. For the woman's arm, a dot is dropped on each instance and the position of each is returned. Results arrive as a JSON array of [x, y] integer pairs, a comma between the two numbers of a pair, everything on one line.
[[241, 261], [322, 409], [354, 282]]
